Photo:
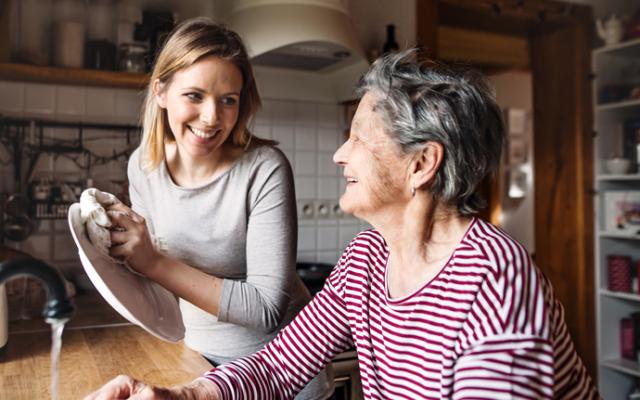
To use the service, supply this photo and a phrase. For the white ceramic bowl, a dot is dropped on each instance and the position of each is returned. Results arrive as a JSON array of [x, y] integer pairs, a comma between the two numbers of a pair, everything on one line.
[[617, 165]]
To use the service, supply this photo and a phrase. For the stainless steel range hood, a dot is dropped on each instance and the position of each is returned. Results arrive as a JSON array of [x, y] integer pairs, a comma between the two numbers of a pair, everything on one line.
[[313, 36]]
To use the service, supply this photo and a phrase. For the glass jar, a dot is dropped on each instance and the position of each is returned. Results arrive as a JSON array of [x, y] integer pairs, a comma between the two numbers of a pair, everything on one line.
[[68, 33], [132, 57]]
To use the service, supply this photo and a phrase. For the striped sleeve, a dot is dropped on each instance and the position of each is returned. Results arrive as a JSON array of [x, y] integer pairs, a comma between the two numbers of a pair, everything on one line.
[[505, 367], [515, 344], [506, 349], [508, 352], [294, 357]]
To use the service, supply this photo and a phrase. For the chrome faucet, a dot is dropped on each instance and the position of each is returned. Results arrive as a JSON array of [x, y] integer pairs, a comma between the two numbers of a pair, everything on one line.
[[59, 305]]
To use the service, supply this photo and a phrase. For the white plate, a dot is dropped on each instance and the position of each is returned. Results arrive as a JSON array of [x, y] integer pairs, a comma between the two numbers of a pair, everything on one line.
[[138, 299]]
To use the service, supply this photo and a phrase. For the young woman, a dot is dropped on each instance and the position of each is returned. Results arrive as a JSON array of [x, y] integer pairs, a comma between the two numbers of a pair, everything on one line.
[[213, 217], [439, 304]]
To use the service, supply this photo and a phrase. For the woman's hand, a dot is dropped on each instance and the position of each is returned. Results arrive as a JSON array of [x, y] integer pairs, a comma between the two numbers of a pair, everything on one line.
[[120, 387], [125, 387], [131, 240]]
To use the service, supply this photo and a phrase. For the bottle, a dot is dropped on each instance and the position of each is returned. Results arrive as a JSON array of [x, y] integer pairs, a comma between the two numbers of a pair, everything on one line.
[[390, 46]]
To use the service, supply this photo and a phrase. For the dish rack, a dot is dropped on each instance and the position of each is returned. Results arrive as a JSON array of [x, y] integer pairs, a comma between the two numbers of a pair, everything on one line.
[[26, 139]]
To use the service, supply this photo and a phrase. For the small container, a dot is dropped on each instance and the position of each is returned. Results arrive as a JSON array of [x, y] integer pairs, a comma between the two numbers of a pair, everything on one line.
[[617, 165], [68, 33], [133, 57], [619, 273]]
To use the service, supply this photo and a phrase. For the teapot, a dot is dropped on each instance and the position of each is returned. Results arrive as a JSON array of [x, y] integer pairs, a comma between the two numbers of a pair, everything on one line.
[[610, 31]]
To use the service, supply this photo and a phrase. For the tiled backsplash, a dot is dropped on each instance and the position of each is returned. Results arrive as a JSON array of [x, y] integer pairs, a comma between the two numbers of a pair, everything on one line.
[[308, 134]]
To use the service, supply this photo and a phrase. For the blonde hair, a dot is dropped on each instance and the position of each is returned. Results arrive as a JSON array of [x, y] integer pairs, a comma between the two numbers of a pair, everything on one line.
[[189, 42]]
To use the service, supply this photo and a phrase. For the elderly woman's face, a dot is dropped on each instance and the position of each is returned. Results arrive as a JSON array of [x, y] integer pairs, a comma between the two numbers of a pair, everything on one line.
[[375, 170]]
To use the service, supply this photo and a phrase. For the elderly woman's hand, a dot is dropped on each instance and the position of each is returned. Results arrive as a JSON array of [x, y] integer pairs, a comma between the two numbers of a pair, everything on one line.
[[131, 240], [125, 387]]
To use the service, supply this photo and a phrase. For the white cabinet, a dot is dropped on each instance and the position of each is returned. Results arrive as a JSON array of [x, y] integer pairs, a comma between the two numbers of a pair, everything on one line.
[[614, 107]]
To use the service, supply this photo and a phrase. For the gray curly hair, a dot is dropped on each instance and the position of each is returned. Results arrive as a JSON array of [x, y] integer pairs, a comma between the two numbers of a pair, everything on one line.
[[424, 101]]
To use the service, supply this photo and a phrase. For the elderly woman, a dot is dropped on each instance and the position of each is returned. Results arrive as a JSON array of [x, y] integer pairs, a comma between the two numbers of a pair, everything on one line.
[[438, 303]]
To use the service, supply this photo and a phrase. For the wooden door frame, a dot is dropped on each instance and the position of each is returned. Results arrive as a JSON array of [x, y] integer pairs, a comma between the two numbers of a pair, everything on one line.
[[559, 38]]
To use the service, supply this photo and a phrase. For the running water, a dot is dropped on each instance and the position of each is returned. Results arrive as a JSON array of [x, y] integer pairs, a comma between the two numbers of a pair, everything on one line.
[[57, 326]]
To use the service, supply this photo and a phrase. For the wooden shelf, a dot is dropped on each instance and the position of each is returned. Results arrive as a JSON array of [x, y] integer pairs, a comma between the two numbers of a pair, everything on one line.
[[72, 76]]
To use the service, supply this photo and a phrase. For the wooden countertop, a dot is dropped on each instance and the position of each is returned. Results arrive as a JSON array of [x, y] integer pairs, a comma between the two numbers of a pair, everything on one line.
[[89, 358]]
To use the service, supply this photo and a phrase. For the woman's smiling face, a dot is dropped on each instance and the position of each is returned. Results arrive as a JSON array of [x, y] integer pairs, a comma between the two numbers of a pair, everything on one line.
[[202, 103]]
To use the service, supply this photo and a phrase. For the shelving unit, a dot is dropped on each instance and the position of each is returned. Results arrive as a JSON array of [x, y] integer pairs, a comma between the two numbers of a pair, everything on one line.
[[72, 76], [616, 376]]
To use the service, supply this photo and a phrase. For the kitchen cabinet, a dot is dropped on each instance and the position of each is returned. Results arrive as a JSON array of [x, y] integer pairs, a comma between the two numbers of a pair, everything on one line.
[[72, 76], [614, 107]]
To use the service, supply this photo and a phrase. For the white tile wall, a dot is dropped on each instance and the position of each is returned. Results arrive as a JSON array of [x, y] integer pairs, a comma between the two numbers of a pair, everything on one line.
[[128, 105], [12, 98], [284, 135], [305, 138], [308, 134], [328, 140], [40, 100], [71, 101], [328, 115], [306, 114], [101, 104], [305, 163], [263, 131]]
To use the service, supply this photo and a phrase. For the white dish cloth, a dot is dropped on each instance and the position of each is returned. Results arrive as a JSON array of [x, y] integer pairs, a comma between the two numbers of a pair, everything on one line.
[[93, 214], [95, 217]]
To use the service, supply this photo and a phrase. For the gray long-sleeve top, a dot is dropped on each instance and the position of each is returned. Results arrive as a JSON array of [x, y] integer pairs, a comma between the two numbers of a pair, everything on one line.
[[240, 227]]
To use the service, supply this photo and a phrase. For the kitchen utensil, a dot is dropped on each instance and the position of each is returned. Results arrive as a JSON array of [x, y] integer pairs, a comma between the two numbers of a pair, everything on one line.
[[138, 299], [17, 226], [617, 165], [610, 31]]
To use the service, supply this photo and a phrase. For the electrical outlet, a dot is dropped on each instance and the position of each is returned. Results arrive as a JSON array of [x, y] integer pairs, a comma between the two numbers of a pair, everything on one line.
[[306, 209], [323, 208], [336, 211]]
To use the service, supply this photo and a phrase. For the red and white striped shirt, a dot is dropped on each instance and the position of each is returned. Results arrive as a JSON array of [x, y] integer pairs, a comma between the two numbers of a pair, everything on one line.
[[486, 327]]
